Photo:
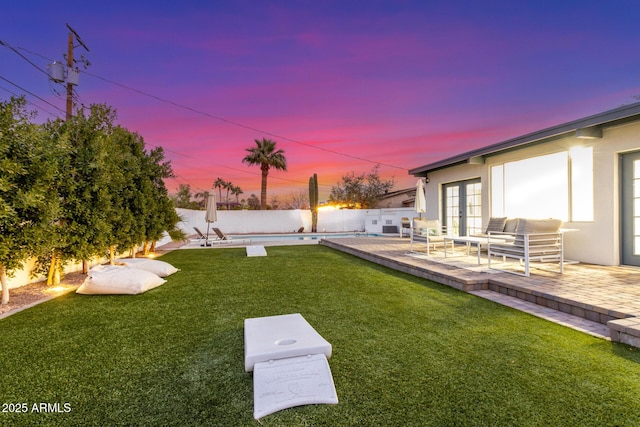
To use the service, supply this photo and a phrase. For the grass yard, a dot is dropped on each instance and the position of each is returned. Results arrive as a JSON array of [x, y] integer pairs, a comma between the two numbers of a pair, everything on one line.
[[406, 351]]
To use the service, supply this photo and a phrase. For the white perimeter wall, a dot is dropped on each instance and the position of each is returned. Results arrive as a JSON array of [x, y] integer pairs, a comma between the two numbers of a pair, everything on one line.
[[247, 222], [288, 221]]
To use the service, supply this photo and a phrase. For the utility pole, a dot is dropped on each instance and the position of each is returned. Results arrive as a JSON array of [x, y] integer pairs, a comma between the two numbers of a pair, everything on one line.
[[70, 68]]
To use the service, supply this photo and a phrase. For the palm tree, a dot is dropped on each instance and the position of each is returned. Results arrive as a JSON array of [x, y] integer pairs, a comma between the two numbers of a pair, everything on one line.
[[228, 186], [236, 191], [265, 155], [219, 183]]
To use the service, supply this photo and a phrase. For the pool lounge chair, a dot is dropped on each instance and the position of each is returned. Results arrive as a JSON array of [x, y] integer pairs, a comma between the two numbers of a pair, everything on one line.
[[201, 235], [220, 234]]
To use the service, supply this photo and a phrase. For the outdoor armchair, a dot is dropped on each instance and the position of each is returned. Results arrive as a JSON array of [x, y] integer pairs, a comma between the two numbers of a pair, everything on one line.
[[431, 232]]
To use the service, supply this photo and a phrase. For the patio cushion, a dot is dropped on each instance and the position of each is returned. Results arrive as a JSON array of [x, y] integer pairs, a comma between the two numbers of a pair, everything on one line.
[[538, 226], [511, 225], [496, 225], [429, 227], [115, 279], [155, 266]]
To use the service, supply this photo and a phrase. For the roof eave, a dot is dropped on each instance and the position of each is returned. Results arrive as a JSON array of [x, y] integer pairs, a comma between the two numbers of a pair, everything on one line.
[[607, 118]]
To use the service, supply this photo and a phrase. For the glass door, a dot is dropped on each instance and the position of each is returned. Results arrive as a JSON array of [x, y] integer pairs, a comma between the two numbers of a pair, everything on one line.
[[462, 207], [630, 209]]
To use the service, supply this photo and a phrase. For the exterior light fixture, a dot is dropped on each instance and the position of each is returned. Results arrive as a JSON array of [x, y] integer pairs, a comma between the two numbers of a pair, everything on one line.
[[593, 132]]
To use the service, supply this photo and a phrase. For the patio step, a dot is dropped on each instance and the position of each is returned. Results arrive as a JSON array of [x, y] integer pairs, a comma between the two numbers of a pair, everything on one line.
[[591, 314], [626, 331], [559, 303]]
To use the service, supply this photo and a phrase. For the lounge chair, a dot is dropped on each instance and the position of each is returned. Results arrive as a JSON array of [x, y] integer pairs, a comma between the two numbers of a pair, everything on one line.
[[300, 230], [200, 234], [220, 234]]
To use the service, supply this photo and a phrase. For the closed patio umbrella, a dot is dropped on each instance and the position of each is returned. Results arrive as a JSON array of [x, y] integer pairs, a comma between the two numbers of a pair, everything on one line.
[[421, 199], [211, 215]]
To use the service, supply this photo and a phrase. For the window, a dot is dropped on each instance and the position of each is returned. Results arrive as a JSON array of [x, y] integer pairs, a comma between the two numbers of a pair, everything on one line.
[[558, 185], [581, 183]]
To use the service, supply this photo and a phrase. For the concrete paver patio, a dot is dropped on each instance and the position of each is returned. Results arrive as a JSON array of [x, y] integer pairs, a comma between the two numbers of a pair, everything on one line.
[[599, 300]]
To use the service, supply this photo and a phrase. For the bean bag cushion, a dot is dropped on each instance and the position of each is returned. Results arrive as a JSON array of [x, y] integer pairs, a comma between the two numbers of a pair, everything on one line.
[[161, 268], [115, 279]]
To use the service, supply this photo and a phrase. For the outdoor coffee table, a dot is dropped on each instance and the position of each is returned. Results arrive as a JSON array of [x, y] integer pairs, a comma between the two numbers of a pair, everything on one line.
[[468, 240]]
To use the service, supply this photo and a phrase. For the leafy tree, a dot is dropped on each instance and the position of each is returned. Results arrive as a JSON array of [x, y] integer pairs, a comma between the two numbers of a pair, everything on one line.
[[159, 213], [183, 198], [28, 207], [253, 202], [275, 202], [297, 200], [267, 156], [86, 187], [360, 191]]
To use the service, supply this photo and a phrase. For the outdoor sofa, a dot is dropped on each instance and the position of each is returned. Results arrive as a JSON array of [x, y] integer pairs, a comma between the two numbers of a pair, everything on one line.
[[526, 240]]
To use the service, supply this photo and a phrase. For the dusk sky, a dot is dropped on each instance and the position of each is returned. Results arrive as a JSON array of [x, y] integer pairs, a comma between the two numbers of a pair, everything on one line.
[[340, 85]]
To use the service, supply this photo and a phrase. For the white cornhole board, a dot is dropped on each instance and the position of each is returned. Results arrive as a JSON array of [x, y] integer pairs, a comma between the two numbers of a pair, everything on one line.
[[256, 250], [289, 363], [295, 381]]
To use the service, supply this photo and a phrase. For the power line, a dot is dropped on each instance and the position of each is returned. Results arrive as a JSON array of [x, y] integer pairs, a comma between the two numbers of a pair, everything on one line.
[[30, 93], [24, 57], [238, 124], [196, 111]]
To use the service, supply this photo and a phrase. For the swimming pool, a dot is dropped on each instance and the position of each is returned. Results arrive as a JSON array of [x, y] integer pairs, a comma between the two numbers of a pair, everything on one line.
[[294, 237]]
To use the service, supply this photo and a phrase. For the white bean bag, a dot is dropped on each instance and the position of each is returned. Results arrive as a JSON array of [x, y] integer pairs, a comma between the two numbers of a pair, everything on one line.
[[115, 279], [161, 268]]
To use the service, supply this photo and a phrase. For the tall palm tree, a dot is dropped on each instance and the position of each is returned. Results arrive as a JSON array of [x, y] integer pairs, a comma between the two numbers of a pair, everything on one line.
[[219, 183], [265, 155], [228, 186], [237, 191]]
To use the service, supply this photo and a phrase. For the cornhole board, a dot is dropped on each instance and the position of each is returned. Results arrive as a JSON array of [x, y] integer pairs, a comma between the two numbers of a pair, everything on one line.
[[289, 363], [256, 250]]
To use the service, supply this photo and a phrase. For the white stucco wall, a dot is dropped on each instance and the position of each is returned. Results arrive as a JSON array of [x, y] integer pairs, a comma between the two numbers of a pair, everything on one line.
[[287, 221], [246, 222], [596, 241]]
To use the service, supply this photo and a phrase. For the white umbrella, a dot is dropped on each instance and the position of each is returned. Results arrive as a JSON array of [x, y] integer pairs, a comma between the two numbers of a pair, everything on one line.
[[421, 199], [211, 214]]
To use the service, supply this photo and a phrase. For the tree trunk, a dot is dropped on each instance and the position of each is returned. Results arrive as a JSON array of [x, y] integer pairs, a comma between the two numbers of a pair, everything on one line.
[[56, 273], [85, 266], [153, 247], [145, 248], [263, 187], [112, 256], [5, 285], [52, 268]]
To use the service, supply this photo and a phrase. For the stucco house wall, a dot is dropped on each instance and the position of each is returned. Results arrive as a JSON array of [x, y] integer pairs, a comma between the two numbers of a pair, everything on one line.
[[596, 241]]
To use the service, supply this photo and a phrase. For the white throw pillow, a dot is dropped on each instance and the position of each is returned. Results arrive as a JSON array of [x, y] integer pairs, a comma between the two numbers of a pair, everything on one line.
[[115, 279], [161, 268]]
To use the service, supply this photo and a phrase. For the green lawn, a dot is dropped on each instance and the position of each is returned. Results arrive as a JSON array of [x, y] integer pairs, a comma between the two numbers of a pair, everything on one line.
[[405, 351]]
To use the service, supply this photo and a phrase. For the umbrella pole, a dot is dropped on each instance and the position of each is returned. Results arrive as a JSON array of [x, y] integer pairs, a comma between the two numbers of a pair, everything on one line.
[[206, 242]]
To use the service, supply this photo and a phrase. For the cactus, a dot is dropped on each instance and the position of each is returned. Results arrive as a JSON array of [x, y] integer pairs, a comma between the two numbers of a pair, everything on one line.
[[313, 202]]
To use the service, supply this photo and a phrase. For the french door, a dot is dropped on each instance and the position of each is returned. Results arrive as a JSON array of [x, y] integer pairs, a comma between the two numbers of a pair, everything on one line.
[[462, 207], [630, 208]]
